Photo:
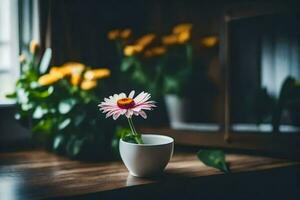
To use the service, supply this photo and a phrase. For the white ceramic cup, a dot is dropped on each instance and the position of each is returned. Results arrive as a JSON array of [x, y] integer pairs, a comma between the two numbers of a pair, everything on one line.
[[148, 159]]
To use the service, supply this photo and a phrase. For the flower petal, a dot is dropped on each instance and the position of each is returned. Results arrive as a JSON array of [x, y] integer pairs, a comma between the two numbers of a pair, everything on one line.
[[131, 94], [139, 97], [129, 113], [116, 115], [122, 95], [143, 114]]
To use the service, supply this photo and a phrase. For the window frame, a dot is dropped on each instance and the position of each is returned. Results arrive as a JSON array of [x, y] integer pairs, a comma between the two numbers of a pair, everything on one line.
[[13, 42], [280, 144]]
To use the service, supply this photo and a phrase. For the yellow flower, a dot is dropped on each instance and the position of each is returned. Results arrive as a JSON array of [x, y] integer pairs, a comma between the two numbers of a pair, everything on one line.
[[74, 66], [57, 71], [182, 28], [75, 79], [65, 71], [96, 74], [169, 40], [159, 50], [184, 37], [34, 47], [48, 79], [145, 40], [22, 58], [131, 50], [113, 34], [125, 33], [156, 51], [209, 41], [148, 54], [75, 69], [87, 85]]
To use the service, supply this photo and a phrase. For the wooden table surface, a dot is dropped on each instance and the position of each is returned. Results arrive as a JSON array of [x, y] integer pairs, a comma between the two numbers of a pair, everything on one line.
[[38, 174]]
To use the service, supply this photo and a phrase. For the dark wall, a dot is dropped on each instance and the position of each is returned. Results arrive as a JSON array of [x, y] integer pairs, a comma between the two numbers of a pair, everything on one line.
[[12, 134]]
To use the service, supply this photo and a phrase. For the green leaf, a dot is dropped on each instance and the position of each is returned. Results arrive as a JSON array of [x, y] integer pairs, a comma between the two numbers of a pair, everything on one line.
[[74, 146], [126, 135], [171, 85], [66, 105], [139, 76], [136, 139], [64, 124], [42, 94], [39, 112], [214, 158], [26, 106], [121, 132], [58, 142], [129, 138], [34, 85], [79, 119], [22, 95], [127, 63], [44, 125], [45, 61], [12, 95], [18, 116]]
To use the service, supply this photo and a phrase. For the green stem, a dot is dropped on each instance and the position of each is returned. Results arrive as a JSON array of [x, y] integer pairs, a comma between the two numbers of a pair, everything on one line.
[[131, 126], [137, 136]]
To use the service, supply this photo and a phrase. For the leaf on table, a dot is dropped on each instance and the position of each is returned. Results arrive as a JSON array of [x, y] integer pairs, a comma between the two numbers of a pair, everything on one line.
[[214, 158]]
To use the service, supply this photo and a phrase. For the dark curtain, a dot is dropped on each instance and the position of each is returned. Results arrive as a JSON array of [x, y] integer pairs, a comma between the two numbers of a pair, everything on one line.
[[76, 30]]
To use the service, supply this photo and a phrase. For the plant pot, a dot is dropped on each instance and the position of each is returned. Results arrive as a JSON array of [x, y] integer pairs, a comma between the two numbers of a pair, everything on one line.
[[148, 159], [176, 109]]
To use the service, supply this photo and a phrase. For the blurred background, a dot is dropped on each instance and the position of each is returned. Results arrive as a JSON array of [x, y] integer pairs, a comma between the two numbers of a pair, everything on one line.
[[213, 68]]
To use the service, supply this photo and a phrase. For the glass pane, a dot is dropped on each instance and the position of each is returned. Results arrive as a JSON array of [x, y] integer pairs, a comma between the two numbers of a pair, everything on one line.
[[6, 85], [5, 57], [265, 74], [5, 20]]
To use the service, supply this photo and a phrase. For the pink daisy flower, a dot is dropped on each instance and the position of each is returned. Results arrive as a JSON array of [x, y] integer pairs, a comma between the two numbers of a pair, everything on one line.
[[120, 104]]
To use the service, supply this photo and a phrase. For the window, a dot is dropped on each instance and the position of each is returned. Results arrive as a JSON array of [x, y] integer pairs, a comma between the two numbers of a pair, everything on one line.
[[264, 56], [9, 63]]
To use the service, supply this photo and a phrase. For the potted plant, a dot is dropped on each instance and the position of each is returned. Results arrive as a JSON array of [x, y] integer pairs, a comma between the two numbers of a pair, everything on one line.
[[288, 99], [162, 65], [143, 155], [58, 102], [141, 58], [176, 72]]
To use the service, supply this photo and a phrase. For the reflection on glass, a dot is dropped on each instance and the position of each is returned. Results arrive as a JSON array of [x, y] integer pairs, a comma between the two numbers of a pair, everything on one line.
[[264, 74], [202, 103]]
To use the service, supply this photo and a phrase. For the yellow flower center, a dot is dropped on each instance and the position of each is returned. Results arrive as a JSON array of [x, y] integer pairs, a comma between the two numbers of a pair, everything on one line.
[[125, 103]]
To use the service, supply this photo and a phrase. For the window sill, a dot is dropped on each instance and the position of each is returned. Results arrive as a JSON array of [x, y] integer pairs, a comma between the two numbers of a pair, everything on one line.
[[4, 103]]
